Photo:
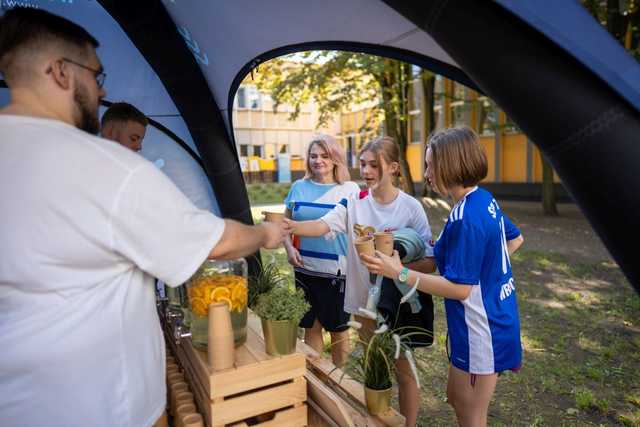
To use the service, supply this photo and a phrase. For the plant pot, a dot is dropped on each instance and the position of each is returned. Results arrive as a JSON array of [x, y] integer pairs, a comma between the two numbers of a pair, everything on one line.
[[378, 401], [279, 336]]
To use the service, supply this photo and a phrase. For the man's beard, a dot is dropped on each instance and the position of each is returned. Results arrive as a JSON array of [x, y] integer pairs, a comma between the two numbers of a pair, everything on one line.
[[88, 117]]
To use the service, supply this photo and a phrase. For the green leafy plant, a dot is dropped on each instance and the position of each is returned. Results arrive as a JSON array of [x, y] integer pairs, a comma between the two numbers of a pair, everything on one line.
[[372, 361], [269, 277], [282, 302]]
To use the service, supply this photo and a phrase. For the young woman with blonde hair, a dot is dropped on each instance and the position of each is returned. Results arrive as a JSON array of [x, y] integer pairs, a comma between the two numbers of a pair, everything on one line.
[[319, 263], [384, 207], [472, 255]]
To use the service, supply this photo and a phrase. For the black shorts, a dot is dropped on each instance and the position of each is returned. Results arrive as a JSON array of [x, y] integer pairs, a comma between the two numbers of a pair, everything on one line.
[[403, 319], [326, 296]]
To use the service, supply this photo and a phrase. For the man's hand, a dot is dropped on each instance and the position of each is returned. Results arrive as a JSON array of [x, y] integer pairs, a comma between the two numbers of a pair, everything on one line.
[[274, 234], [290, 225], [388, 266]]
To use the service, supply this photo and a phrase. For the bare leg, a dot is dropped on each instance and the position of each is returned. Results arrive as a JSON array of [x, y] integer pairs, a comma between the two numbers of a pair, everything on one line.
[[339, 347], [368, 326], [471, 403], [313, 337], [408, 392]]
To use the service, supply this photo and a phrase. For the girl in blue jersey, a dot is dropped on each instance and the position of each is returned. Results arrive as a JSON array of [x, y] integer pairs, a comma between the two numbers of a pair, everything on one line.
[[319, 263], [472, 255]]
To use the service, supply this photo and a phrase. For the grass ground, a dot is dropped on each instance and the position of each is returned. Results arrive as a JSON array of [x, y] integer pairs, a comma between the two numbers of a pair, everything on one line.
[[580, 330]]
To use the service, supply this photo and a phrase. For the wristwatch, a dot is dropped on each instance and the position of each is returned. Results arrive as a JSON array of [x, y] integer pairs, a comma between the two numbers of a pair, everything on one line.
[[404, 275]]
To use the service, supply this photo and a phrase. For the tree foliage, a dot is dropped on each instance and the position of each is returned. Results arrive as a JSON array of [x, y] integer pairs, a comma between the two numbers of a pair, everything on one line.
[[338, 81]]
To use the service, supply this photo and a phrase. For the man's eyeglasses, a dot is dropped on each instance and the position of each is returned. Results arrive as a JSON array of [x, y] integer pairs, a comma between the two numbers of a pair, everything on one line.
[[99, 75]]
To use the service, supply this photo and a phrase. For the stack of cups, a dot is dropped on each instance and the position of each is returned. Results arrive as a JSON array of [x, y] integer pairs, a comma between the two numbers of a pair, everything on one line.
[[221, 350], [174, 390]]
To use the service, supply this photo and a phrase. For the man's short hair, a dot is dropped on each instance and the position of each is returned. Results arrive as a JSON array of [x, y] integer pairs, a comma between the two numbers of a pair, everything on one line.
[[122, 112], [24, 31]]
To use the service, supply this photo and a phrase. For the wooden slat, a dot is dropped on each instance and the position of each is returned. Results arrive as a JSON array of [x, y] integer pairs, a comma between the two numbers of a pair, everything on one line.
[[260, 402], [328, 401], [346, 387]]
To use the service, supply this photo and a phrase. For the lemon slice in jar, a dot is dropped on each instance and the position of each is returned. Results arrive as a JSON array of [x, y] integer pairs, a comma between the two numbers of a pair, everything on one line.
[[226, 300], [220, 292]]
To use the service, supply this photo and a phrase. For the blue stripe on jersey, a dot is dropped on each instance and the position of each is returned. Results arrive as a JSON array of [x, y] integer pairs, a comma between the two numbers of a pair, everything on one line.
[[298, 205], [320, 255]]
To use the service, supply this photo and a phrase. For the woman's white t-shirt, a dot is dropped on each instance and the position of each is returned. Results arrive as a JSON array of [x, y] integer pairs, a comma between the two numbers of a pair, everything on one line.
[[361, 208]]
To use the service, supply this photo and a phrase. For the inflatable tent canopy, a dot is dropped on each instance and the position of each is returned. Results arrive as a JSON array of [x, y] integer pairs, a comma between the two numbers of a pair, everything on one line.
[[549, 65]]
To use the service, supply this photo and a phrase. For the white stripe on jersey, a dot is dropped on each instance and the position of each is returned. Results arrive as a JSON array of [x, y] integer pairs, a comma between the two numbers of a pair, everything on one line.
[[458, 210], [461, 209], [481, 359]]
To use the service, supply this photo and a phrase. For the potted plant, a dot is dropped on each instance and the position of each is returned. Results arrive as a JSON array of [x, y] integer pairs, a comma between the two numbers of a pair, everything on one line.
[[268, 277], [372, 362], [280, 311]]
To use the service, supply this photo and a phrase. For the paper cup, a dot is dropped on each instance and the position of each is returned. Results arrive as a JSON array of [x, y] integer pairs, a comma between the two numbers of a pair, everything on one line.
[[384, 242], [273, 216], [220, 350], [365, 245]]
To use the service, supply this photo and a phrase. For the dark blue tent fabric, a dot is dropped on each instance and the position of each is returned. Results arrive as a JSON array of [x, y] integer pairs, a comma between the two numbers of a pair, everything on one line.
[[131, 79], [570, 26]]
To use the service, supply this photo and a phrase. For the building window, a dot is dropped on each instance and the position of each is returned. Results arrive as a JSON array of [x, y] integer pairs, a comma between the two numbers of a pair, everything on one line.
[[351, 149], [244, 150], [257, 150], [242, 97], [253, 97]]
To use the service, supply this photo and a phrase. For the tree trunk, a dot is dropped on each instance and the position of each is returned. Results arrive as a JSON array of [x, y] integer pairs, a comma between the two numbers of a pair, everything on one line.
[[428, 103], [394, 87], [548, 194]]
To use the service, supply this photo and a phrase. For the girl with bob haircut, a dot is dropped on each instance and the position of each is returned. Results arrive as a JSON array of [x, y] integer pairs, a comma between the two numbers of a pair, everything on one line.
[[472, 255], [384, 207], [320, 264]]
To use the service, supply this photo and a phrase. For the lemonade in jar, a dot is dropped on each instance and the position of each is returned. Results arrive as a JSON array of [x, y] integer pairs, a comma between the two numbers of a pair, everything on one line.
[[218, 281]]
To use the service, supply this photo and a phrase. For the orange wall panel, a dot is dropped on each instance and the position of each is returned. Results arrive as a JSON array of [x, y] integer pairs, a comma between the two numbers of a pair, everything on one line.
[[514, 158], [414, 158], [488, 142]]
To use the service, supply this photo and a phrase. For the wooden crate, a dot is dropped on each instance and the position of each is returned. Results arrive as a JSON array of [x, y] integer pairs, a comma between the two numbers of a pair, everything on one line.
[[258, 386]]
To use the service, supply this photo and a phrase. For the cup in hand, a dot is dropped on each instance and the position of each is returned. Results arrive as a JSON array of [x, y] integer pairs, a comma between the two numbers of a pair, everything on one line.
[[384, 242], [365, 245], [273, 216]]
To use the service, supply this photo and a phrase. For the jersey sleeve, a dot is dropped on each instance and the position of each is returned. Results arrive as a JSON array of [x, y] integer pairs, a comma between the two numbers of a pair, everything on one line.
[[420, 223], [465, 246], [336, 218], [510, 230], [291, 196], [157, 228]]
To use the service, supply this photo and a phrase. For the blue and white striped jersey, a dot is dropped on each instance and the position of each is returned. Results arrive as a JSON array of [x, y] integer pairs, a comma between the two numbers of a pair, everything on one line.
[[308, 200], [484, 329]]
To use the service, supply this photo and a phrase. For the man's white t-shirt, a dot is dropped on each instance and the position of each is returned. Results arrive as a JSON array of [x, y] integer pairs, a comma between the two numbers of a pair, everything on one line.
[[86, 224], [361, 208]]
